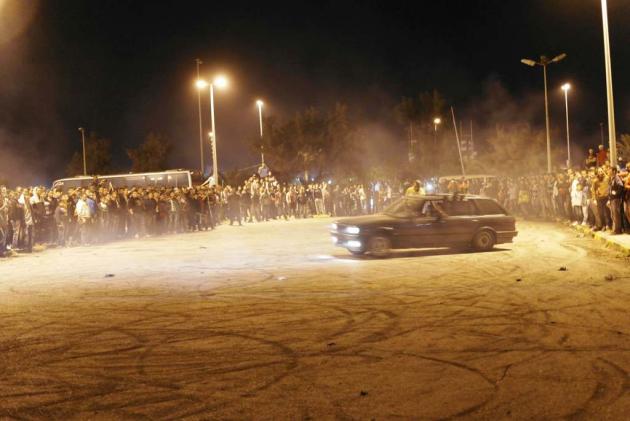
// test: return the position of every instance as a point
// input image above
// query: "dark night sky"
(125, 68)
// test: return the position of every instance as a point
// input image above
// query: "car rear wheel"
(483, 241)
(357, 252)
(379, 246)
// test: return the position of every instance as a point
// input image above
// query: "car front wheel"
(379, 246)
(483, 241)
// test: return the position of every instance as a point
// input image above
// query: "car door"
(460, 223)
(429, 226)
(405, 232)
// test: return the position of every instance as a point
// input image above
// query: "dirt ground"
(270, 321)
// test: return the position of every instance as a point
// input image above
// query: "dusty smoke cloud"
(31, 141)
(510, 132)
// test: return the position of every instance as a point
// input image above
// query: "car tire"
(357, 252)
(483, 240)
(379, 246)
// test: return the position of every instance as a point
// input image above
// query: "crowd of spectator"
(100, 213)
(596, 195)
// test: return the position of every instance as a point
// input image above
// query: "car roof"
(439, 196)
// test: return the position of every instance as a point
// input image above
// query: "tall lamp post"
(544, 62)
(82, 130)
(260, 104)
(612, 137)
(220, 82)
(200, 84)
(566, 87)
(436, 123)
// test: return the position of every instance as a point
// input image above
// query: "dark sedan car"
(427, 221)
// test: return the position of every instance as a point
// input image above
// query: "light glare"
(201, 84)
(353, 230)
(220, 82)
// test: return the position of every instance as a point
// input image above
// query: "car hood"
(377, 219)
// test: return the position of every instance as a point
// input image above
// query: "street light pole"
(215, 171)
(612, 137)
(436, 123)
(547, 121)
(220, 82)
(200, 122)
(84, 158)
(259, 103)
(566, 88)
(544, 62)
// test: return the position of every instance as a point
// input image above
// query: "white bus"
(169, 178)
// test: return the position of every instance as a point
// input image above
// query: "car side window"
(459, 207)
(428, 210)
(489, 207)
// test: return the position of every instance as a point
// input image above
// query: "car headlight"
(352, 230)
(334, 226)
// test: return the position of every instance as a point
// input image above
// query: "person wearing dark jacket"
(234, 206)
(616, 200)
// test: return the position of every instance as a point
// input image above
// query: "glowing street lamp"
(260, 104)
(220, 82)
(201, 84)
(544, 62)
(566, 87)
(436, 122)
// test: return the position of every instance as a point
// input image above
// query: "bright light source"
(354, 244)
(334, 226)
(353, 230)
(201, 84)
(259, 102)
(566, 87)
(528, 62)
(220, 82)
(334, 240)
(437, 120)
(329, 181)
(559, 57)
(429, 187)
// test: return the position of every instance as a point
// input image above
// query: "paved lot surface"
(270, 321)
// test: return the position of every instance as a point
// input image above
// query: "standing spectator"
(616, 195)
(234, 205)
(626, 199)
(84, 216)
(4, 220)
(62, 221)
(319, 200)
(601, 187)
(591, 159)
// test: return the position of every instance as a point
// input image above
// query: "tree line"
(332, 143)
(151, 155)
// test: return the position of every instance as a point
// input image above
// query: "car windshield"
(404, 207)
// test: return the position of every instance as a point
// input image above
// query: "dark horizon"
(125, 70)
